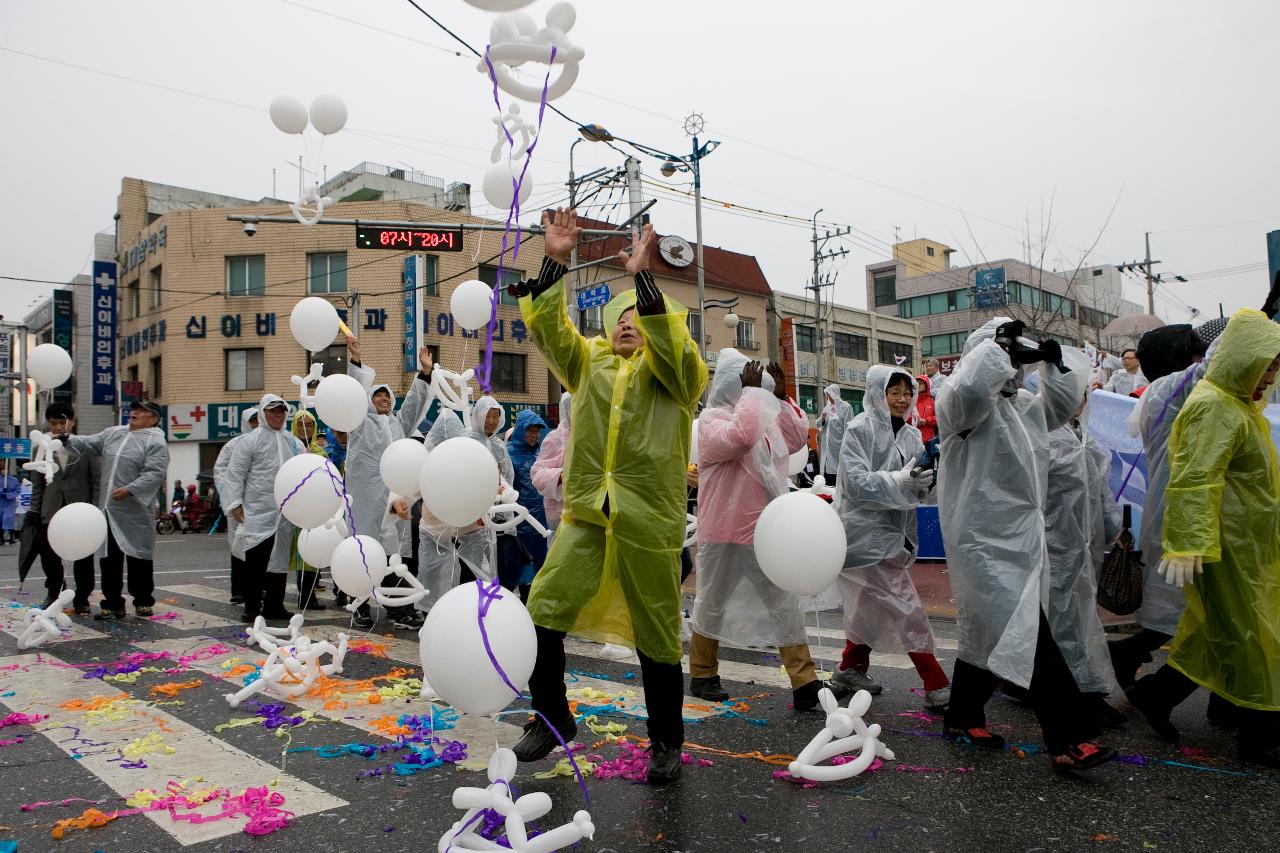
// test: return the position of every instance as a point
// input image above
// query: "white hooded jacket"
(137, 460)
(833, 422)
(250, 483)
(224, 460)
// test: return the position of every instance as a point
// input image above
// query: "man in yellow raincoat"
(1220, 536)
(613, 573)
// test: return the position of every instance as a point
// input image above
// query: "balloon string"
(486, 595)
(485, 368)
(341, 491)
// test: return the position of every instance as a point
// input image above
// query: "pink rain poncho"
(881, 606)
(745, 436)
(548, 472)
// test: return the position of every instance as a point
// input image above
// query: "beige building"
(844, 345)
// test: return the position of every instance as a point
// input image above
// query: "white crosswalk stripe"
(14, 620)
(41, 686)
(221, 596)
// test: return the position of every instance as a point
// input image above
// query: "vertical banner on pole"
(787, 346)
(412, 317)
(63, 324)
(104, 332)
(1273, 256)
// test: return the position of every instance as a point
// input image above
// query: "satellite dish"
(675, 250)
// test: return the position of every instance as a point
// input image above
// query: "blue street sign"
(15, 448)
(593, 297)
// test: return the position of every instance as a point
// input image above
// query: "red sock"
(856, 655)
(930, 670)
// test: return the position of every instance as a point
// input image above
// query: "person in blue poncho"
(523, 447)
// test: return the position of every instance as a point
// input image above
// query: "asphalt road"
(935, 796)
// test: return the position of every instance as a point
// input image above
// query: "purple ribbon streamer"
(484, 370)
(485, 596)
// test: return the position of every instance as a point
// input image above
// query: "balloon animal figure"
(291, 655)
(844, 732)
(452, 390)
(511, 125)
(496, 798)
(514, 40)
(47, 449)
(306, 401)
(310, 215)
(690, 531)
(505, 505)
(47, 624)
(393, 596)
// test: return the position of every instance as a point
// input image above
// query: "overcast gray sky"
(883, 114)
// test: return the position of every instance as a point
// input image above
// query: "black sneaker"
(1265, 757)
(538, 740)
(143, 611)
(976, 736)
(105, 615)
(664, 763)
(276, 613)
(709, 689)
(805, 697)
(1104, 716)
(363, 621)
(82, 610)
(1157, 717)
(237, 599)
(408, 619)
(248, 618)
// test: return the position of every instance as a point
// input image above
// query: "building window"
(928, 250)
(804, 339)
(695, 327)
(135, 299)
(593, 321)
(1097, 272)
(156, 388)
(808, 398)
(851, 346)
(489, 275)
(935, 303)
(853, 397)
(244, 370)
(886, 287)
(508, 372)
(428, 287)
(891, 351)
(327, 273)
(156, 290)
(746, 337)
(247, 275)
(133, 373)
(1093, 318)
(937, 345)
(334, 359)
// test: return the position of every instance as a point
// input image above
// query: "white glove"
(1180, 570)
(903, 479)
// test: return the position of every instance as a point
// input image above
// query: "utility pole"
(1152, 278)
(820, 281)
(635, 196)
(1151, 288)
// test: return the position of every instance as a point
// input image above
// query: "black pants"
(1059, 705)
(1168, 688)
(255, 574)
(663, 689)
(686, 564)
(55, 579)
(142, 581)
(237, 577)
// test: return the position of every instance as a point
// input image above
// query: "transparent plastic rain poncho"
(1223, 504)
(220, 468)
(442, 548)
(137, 460)
(548, 471)
(615, 577)
(833, 422)
(479, 412)
(991, 493)
(365, 444)
(881, 606)
(1162, 603)
(745, 437)
(251, 483)
(1081, 519)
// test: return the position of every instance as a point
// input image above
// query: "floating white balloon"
(401, 466)
(49, 365)
(76, 531)
(314, 323)
(288, 114)
(514, 39)
(342, 402)
(472, 305)
(499, 183)
(306, 491)
(328, 114)
(844, 732)
(316, 546)
(459, 481)
(454, 657)
(797, 461)
(498, 5)
(800, 543)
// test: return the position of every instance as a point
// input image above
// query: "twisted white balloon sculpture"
(47, 449)
(298, 657)
(844, 732)
(514, 39)
(305, 400)
(393, 596)
(465, 835)
(310, 215)
(511, 124)
(47, 624)
(504, 503)
(452, 390)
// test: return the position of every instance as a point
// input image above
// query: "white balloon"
(341, 402)
(316, 546)
(308, 481)
(459, 481)
(314, 323)
(472, 304)
(328, 114)
(49, 365)
(288, 114)
(800, 543)
(401, 464)
(454, 660)
(693, 444)
(499, 183)
(77, 530)
(797, 461)
(359, 564)
(499, 5)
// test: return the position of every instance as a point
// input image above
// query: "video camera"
(1024, 351)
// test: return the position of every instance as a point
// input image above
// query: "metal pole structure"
(1151, 289)
(702, 273)
(377, 223)
(635, 196)
(573, 256)
(22, 360)
(820, 400)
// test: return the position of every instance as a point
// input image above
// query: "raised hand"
(424, 360)
(751, 374)
(353, 349)
(560, 234)
(779, 380)
(641, 251)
